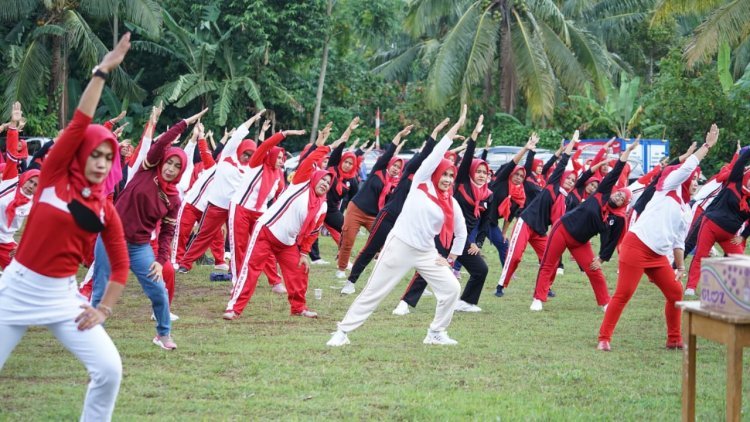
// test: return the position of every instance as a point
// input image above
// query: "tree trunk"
(321, 80)
(115, 28)
(488, 93)
(58, 90)
(508, 84)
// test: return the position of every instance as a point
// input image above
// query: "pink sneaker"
(603, 346)
(306, 313)
(165, 342)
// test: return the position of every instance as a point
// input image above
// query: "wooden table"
(731, 330)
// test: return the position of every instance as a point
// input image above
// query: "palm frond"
(532, 68)
(730, 23)
(592, 56)
(144, 13)
(183, 40)
(28, 78)
(154, 49)
(82, 40)
(668, 8)
(14, 10)
(567, 67)
(446, 73)
(482, 53)
(126, 87)
(101, 9)
(424, 15)
(49, 29)
(548, 12)
(398, 66)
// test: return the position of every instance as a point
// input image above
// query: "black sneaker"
(551, 293)
(182, 270)
(499, 291)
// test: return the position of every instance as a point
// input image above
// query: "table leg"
(734, 377)
(688, 371)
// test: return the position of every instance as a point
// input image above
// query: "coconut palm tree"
(48, 34)
(530, 44)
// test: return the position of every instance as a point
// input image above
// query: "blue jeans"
(141, 258)
(497, 239)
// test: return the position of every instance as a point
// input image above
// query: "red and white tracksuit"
(661, 228)
(277, 234)
(226, 180)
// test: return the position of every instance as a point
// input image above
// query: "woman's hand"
(89, 318)
(474, 249)
(112, 59)
(304, 261)
(155, 272)
(195, 117)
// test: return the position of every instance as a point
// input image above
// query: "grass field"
(510, 364)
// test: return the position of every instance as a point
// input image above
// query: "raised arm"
(430, 163)
(465, 166)
(157, 150)
(556, 175)
(307, 166)
(610, 180)
(335, 158)
(230, 148)
(260, 154)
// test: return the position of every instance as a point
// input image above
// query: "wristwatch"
(98, 72)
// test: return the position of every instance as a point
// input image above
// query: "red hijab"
(247, 145)
(478, 193)
(270, 175)
(20, 198)
(443, 199)
(342, 175)
(78, 187)
(170, 188)
(452, 156)
(516, 193)
(314, 202)
(389, 182)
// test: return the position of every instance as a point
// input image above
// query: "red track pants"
(708, 234)
(241, 224)
(635, 259)
(191, 214)
(559, 240)
(264, 246)
(522, 236)
(210, 225)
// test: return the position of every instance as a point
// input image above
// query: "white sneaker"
(689, 292)
(349, 266)
(536, 305)
(560, 271)
(604, 308)
(348, 288)
(462, 306)
(340, 274)
(320, 261)
(401, 309)
(713, 252)
(221, 267)
(172, 317)
(439, 338)
(338, 339)
(279, 289)
(227, 256)
(427, 293)
(306, 313)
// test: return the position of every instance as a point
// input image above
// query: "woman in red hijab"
(15, 194)
(69, 210)
(658, 234)
(429, 212)
(152, 199)
(286, 231)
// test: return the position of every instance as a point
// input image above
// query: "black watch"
(97, 72)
